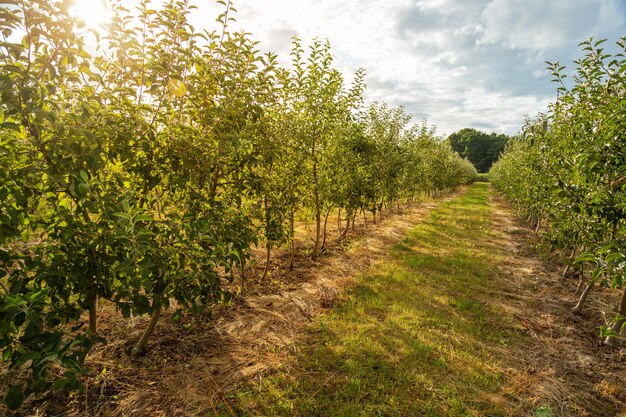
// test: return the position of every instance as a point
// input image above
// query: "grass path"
(427, 331)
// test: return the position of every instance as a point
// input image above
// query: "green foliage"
(482, 177)
(146, 170)
(568, 168)
(480, 148)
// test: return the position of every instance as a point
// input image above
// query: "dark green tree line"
(480, 148)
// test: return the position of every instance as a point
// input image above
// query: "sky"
(455, 63)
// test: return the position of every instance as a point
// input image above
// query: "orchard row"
(145, 167)
(566, 173)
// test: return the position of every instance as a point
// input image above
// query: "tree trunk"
(325, 224)
(581, 301)
(243, 277)
(140, 347)
(93, 326)
(268, 248)
(581, 279)
(365, 218)
(570, 261)
(339, 222)
(268, 243)
(318, 233)
(618, 325)
(292, 248)
(318, 214)
(93, 315)
(345, 231)
(353, 221)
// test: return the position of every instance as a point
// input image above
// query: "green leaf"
(14, 397)
(176, 87)
(83, 189)
(585, 257)
(10, 126)
(543, 411)
(6, 354)
(613, 257)
(60, 384)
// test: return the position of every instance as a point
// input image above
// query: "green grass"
(413, 338)
(482, 177)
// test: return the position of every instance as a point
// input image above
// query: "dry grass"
(562, 364)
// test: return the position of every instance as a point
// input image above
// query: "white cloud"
(459, 63)
(543, 25)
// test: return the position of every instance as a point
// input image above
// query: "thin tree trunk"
(365, 218)
(353, 221)
(581, 280)
(243, 276)
(583, 297)
(93, 327)
(345, 231)
(93, 315)
(268, 248)
(292, 248)
(318, 213)
(570, 260)
(339, 222)
(268, 243)
(325, 224)
(618, 325)
(140, 347)
(318, 232)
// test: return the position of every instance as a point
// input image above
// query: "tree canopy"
(482, 149)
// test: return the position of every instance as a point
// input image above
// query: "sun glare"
(92, 12)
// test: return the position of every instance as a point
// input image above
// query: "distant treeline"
(480, 148)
